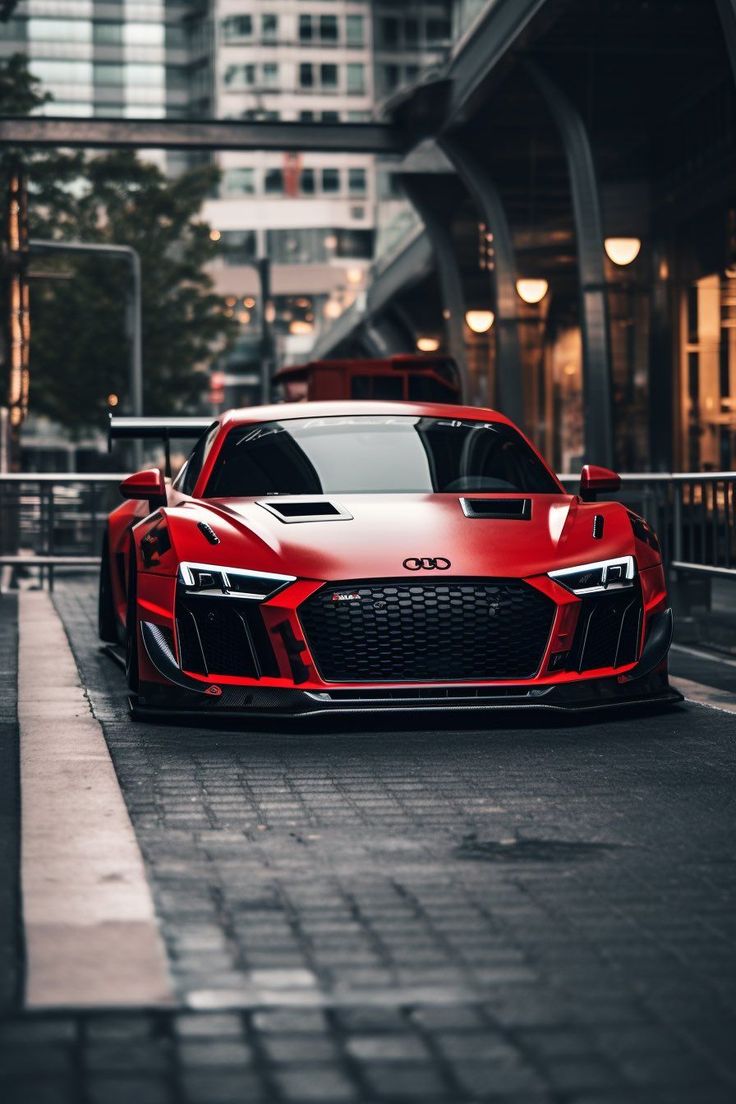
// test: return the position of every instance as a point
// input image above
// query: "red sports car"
(368, 556)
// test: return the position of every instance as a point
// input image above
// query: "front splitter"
(253, 702)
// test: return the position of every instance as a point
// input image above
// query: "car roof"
(279, 412)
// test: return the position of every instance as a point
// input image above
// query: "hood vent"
(510, 509)
(291, 510)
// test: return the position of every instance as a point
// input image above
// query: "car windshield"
(375, 455)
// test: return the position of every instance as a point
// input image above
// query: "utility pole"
(263, 266)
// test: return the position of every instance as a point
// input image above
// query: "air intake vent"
(300, 509)
(514, 509)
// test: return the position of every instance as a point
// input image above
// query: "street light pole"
(263, 266)
(134, 313)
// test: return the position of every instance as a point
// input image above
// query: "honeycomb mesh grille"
(395, 631)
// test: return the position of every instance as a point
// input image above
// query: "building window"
(438, 31)
(356, 78)
(328, 28)
(306, 75)
(359, 116)
(328, 75)
(260, 116)
(270, 75)
(269, 27)
(109, 73)
(239, 182)
(143, 34)
(240, 76)
(108, 34)
(237, 247)
(330, 116)
(57, 30)
(305, 28)
(237, 26)
(330, 181)
(357, 182)
(354, 30)
(306, 116)
(391, 77)
(273, 182)
(411, 32)
(307, 185)
(389, 32)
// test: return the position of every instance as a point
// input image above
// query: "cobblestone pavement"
(519, 911)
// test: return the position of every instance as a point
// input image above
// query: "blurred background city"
(550, 203)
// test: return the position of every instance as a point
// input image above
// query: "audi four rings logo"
(426, 563)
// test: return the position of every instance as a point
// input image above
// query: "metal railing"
(48, 521)
(692, 513)
(54, 520)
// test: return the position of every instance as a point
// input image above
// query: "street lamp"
(622, 251)
(479, 321)
(532, 290)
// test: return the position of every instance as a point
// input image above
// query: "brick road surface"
(498, 909)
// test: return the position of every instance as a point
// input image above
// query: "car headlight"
(593, 578)
(231, 582)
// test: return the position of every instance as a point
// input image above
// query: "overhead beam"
(489, 47)
(185, 134)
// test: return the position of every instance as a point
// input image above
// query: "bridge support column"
(425, 197)
(598, 405)
(510, 386)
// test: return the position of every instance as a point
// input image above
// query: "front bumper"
(293, 687)
(589, 695)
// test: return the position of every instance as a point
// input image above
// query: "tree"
(79, 344)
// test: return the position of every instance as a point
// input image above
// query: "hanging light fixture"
(428, 344)
(532, 290)
(479, 321)
(622, 251)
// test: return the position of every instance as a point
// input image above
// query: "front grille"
(395, 631)
(223, 636)
(609, 627)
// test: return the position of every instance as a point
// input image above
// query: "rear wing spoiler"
(156, 429)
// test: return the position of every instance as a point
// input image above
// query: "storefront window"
(708, 374)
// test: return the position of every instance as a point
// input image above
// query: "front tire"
(131, 633)
(106, 619)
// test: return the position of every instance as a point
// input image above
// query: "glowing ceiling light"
(332, 309)
(479, 321)
(622, 251)
(428, 344)
(532, 290)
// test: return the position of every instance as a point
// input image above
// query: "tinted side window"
(189, 474)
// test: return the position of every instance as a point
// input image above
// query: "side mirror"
(149, 484)
(595, 480)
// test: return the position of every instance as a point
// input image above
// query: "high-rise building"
(130, 58)
(312, 214)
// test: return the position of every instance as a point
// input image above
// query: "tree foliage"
(80, 349)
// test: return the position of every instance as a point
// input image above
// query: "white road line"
(722, 700)
(700, 654)
(90, 927)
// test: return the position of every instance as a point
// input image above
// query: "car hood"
(383, 531)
